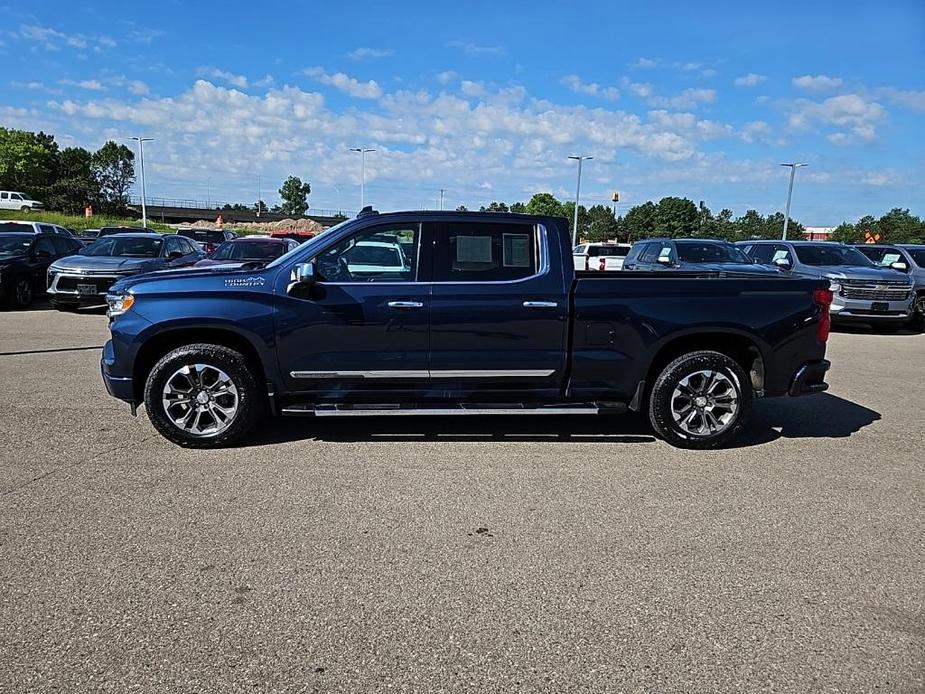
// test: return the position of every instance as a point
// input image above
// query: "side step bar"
(309, 410)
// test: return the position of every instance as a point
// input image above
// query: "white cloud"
(344, 83)
(641, 89)
(470, 88)
(239, 81)
(54, 40)
(817, 83)
(474, 49)
(755, 131)
(92, 85)
(689, 98)
(575, 83)
(645, 63)
(367, 53)
(905, 98)
(446, 76)
(138, 87)
(749, 80)
(857, 117)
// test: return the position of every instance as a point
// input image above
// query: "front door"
(362, 329)
(499, 313)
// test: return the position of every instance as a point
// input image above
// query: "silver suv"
(863, 292)
(908, 258)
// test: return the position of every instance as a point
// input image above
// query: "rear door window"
(485, 252)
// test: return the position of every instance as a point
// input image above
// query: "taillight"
(823, 299)
(603, 265)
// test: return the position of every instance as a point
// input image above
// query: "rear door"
(499, 311)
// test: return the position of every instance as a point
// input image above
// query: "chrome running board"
(387, 410)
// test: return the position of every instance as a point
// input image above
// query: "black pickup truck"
(458, 313)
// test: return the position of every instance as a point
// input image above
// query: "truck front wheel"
(203, 396)
(700, 400)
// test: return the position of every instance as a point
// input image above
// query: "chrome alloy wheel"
(704, 403)
(200, 399)
(919, 305)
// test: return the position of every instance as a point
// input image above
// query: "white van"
(14, 200)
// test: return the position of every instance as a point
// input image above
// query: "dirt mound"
(263, 227)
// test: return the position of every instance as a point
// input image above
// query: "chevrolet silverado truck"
(484, 315)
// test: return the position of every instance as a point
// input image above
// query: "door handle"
(405, 304)
(541, 304)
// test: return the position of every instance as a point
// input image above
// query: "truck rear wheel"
(700, 400)
(203, 396)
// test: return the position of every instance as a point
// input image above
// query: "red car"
(248, 250)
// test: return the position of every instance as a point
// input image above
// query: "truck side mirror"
(302, 274)
(899, 265)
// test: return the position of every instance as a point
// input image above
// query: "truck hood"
(114, 263)
(857, 272)
(730, 267)
(237, 274)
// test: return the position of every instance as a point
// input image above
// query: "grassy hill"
(78, 223)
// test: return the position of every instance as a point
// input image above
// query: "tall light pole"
(442, 191)
(362, 151)
(793, 171)
(141, 158)
(579, 159)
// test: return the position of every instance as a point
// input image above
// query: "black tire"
(733, 379)
(25, 208)
(21, 293)
(251, 398)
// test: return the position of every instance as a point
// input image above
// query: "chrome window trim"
(543, 269)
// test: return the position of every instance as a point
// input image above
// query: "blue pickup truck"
(458, 313)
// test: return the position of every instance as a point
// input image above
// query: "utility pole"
(258, 195)
(579, 158)
(793, 171)
(442, 191)
(141, 158)
(362, 151)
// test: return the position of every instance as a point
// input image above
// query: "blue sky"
(487, 99)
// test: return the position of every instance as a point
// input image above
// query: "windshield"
(619, 251)
(203, 235)
(309, 246)
(705, 252)
(833, 254)
(918, 256)
(248, 250)
(24, 196)
(125, 247)
(16, 226)
(14, 245)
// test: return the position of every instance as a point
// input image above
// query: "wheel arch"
(163, 342)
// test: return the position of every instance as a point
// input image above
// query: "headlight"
(119, 304)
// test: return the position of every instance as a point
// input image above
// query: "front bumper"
(120, 387)
(84, 290)
(810, 378)
(846, 310)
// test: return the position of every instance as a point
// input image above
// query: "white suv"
(14, 200)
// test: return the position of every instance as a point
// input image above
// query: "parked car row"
(76, 273)
(878, 284)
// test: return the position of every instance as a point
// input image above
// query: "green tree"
(28, 161)
(545, 204)
(676, 217)
(518, 208)
(584, 221)
(898, 226)
(640, 221)
(260, 206)
(774, 227)
(720, 226)
(462, 208)
(113, 166)
(495, 207)
(294, 195)
(750, 226)
(602, 226)
(76, 186)
(845, 233)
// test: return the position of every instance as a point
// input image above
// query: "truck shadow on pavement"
(817, 416)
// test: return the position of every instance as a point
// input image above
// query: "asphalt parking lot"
(501, 554)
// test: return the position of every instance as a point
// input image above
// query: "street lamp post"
(793, 170)
(141, 159)
(362, 151)
(579, 159)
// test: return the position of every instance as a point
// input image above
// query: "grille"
(886, 290)
(69, 284)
